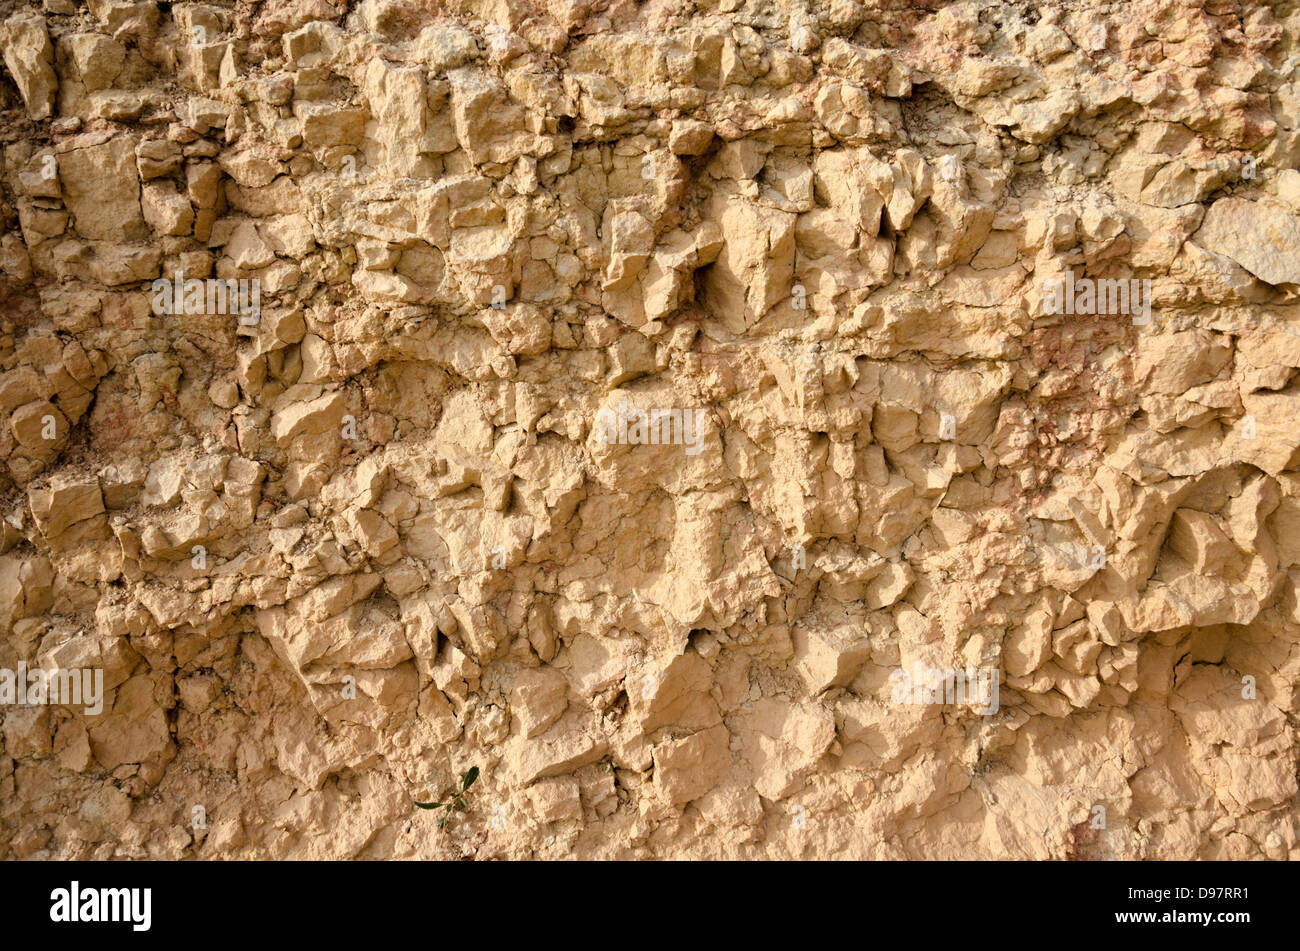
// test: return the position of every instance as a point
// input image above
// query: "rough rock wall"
(980, 321)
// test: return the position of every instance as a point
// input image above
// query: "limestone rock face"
(750, 430)
(1260, 236)
(29, 58)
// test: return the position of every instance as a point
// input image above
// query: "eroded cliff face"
(649, 405)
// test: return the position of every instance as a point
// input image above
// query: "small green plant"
(457, 802)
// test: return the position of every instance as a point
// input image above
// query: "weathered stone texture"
(621, 398)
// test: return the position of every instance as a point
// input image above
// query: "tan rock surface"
(679, 413)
